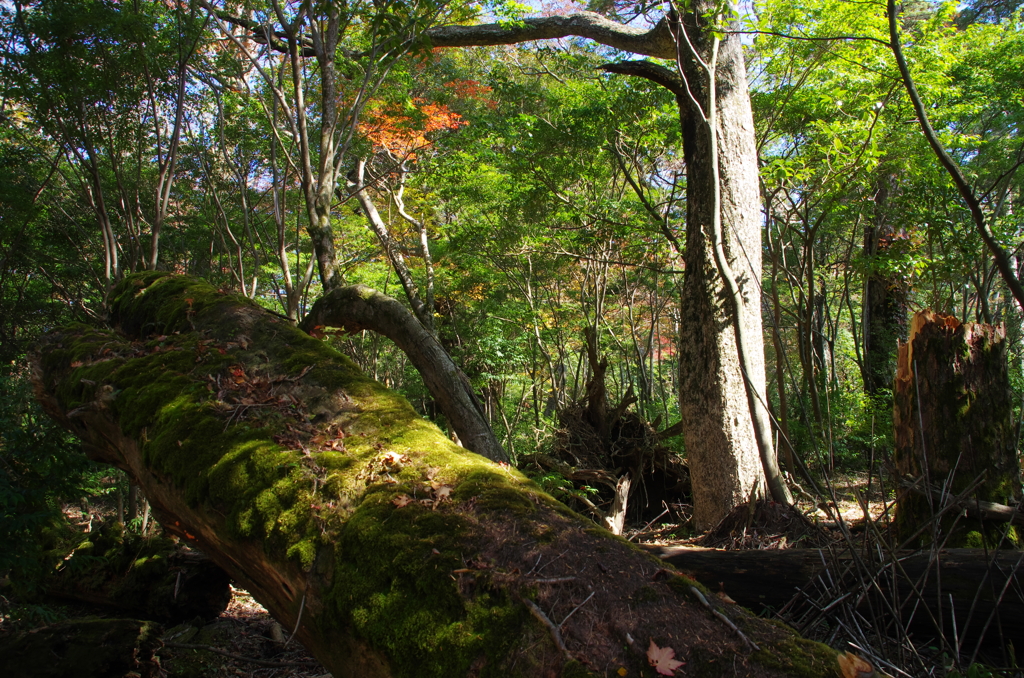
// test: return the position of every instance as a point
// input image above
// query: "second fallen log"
(765, 580)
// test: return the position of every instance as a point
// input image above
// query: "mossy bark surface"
(151, 577)
(391, 550)
(113, 648)
(953, 425)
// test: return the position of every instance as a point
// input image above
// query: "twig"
(302, 606)
(551, 580)
(551, 561)
(555, 633)
(238, 657)
(576, 608)
(641, 530)
(995, 608)
(300, 375)
(704, 601)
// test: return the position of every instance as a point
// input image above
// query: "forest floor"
(245, 630)
(854, 492)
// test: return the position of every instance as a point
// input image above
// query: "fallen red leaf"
(663, 659)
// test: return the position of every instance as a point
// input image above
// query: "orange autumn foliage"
(403, 133)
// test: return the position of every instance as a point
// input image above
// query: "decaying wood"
(616, 518)
(605, 445)
(113, 648)
(768, 579)
(388, 549)
(147, 577)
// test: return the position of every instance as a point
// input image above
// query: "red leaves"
(472, 89)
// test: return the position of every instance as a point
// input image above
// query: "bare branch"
(262, 33)
(656, 73)
(1002, 260)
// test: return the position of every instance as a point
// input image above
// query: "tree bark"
(359, 307)
(390, 551)
(720, 438)
(953, 425)
(654, 42)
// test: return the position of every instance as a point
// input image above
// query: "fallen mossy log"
(389, 550)
(974, 578)
(112, 648)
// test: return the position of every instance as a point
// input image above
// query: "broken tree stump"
(953, 425)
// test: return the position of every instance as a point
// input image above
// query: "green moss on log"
(388, 585)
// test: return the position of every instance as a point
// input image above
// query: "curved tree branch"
(655, 42)
(656, 73)
(262, 34)
(358, 307)
(947, 162)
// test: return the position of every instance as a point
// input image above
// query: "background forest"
(513, 196)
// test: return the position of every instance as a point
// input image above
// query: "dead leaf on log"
(855, 666)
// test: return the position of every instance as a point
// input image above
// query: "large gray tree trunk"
(720, 442)
(390, 550)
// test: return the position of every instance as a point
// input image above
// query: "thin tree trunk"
(885, 308)
(424, 312)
